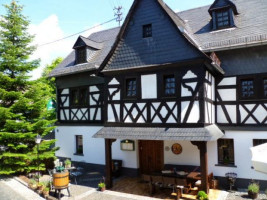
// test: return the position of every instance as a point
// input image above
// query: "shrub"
(254, 188)
(202, 195)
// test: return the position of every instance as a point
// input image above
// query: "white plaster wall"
(208, 113)
(194, 114)
(227, 94)
(149, 86)
(111, 117)
(243, 140)
(114, 81)
(129, 159)
(228, 81)
(185, 92)
(62, 117)
(93, 89)
(66, 104)
(231, 110)
(65, 91)
(189, 155)
(213, 88)
(94, 148)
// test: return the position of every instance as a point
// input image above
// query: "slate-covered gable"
(167, 44)
(250, 30)
(83, 41)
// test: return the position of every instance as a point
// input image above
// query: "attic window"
(222, 19)
(80, 55)
(147, 30)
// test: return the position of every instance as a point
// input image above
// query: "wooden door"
(150, 156)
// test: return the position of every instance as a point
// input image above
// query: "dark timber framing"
(197, 94)
(202, 146)
(108, 153)
(258, 100)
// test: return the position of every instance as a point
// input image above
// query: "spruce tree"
(23, 113)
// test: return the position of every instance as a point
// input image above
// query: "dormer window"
(222, 19)
(85, 49)
(223, 14)
(80, 55)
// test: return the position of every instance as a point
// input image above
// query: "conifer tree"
(23, 112)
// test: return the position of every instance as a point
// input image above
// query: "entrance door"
(150, 156)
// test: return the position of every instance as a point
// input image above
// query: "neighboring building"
(197, 78)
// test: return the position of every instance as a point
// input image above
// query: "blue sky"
(55, 19)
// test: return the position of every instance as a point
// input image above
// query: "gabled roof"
(83, 41)
(250, 30)
(175, 19)
(67, 66)
(217, 4)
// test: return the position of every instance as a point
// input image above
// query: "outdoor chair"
(183, 184)
(210, 177)
(76, 174)
(169, 182)
(146, 178)
(50, 172)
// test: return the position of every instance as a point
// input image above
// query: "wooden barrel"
(61, 179)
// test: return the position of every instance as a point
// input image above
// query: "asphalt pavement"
(7, 193)
(11, 189)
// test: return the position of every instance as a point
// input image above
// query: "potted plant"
(253, 190)
(32, 184)
(67, 163)
(201, 195)
(101, 186)
(41, 186)
(46, 191)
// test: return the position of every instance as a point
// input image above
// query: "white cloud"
(47, 31)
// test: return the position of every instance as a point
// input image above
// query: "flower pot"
(33, 186)
(68, 166)
(45, 193)
(103, 189)
(252, 195)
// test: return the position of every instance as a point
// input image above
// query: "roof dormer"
(223, 14)
(85, 49)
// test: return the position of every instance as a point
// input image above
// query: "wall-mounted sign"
(177, 148)
(127, 145)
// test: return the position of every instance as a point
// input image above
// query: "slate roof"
(67, 66)
(88, 42)
(251, 26)
(208, 133)
(250, 30)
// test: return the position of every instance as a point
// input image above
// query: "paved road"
(6, 193)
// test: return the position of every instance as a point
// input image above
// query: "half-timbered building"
(166, 88)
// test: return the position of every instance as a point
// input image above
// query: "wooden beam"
(202, 146)
(108, 151)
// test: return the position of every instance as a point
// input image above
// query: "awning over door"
(208, 133)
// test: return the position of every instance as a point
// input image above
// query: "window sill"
(225, 165)
(78, 154)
